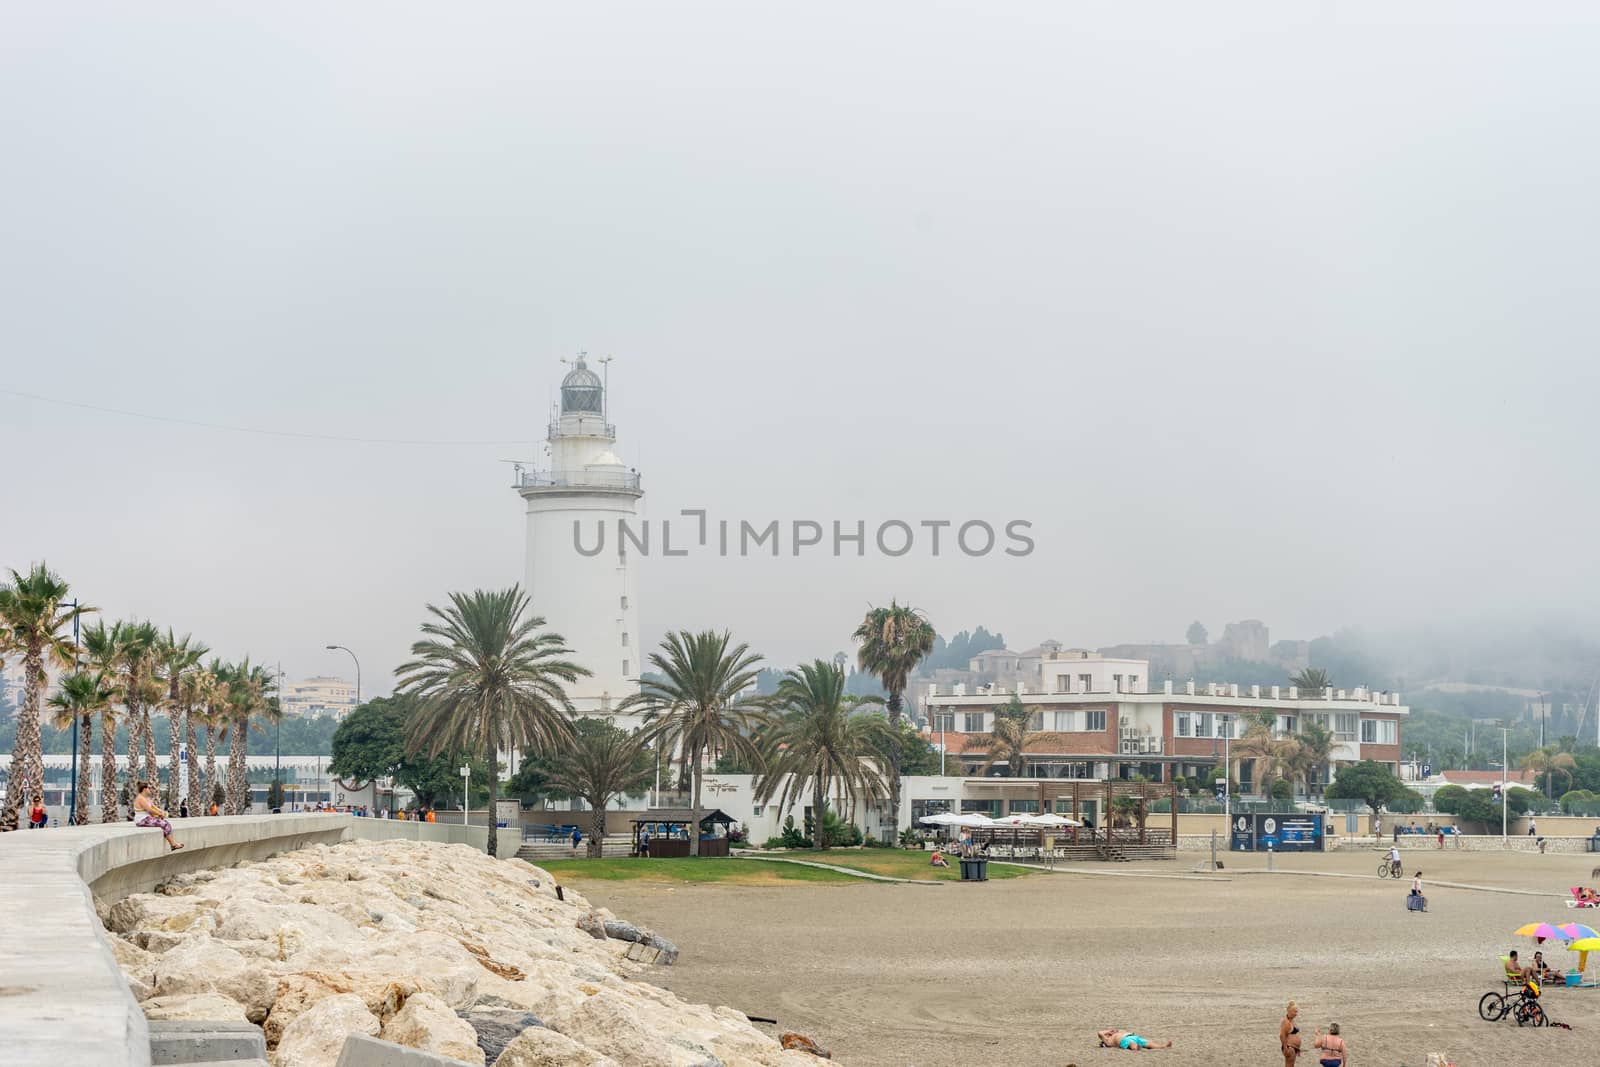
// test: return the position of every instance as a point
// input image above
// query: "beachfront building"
(1102, 719)
(580, 571)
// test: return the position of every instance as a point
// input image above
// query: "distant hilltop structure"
(323, 697)
(589, 598)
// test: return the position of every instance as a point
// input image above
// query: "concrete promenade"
(63, 1000)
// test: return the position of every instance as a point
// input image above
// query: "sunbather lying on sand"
(1128, 1039)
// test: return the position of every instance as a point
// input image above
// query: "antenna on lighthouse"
(605, 388)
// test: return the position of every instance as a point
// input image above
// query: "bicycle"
(1391, 869)
(1523, 1006)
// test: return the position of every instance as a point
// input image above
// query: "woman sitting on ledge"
(150, 813)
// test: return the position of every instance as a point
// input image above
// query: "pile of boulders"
(431, 946)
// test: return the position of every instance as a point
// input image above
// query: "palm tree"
(213, 695)
(817, 740)
(192, 697)
(81, 696)
(1009, 739)
(103, 645)
(1269, 752)
(136, 659)
(1314, 751)
(1549, 761)
(603, 763)
(893, 641)
(246, 702)
(33, 623)
(1311, 680)
(488, 677)
(176, 657)
(702, 702)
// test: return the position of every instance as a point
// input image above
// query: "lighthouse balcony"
(582, 426)
(584, 479)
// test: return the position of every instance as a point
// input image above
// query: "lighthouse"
(586, 596)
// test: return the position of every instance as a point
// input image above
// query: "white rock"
(538, 1047)
(203, 1006)
(317, 1035)
(428, 1023)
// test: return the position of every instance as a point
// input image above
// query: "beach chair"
(1576, 902)
(1512, 978)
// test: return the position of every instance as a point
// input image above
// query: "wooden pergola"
(665, 825)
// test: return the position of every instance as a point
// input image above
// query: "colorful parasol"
(1540, 932)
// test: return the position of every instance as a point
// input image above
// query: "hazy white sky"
(1272, 310)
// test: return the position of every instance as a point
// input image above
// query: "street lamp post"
(466, 794)
(72, 804)
(1505, 797)
(358, 669)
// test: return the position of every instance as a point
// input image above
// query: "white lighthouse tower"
(584, 595)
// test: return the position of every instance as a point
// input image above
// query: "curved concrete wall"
(63, 999)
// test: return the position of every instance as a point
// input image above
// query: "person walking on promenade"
(150, 814)
(38, 817)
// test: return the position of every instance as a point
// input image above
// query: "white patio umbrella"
(1050, 818)
(972, 818)
(1019, 819)
(943, 818)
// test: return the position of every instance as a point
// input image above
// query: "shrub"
(1282, 790)
(1448, 798)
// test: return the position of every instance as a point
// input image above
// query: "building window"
(624, 668)
(1063, 683)
(1036, 721)
(624, 603)
(944, 721)
(972, 722)
(1085, 683)
(1094, 720)
(757, 810)
(624, 639)
(1065, 722)
(1181, 724)
(1378, 732)
(1286, 725)
(1205, 725)
(1344, 726)
(1116, 683)
(1369, 731)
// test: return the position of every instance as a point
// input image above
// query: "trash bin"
(1594, 843)
(974, 870)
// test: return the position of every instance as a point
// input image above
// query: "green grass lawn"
(896, 863)
(736, 871)
(683, 870)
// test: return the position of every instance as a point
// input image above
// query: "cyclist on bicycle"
(1394, 859)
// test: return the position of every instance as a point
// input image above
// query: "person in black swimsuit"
(1289, 1035)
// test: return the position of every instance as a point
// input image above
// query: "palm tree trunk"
(152, 769)
(194, 758)
(694, 807)
(108, 767)
(820, 804)
(175, 739)
(597, 832)
(494, 773)
(208, 788)
(27, 756)
(80, 811)
(134, 741)
(894, 704)
(238, 784)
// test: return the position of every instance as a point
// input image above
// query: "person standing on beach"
(1530, 826)
(1289, 1035)
(1332, 1046)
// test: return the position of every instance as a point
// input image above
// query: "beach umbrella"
(1583, 946)
(1019, 819)
(944, 818)
(1540, 932)
(1052, 819)
(1574, 931)
(971, 818)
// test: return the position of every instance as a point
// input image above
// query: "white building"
(580, 574)
(319, 698)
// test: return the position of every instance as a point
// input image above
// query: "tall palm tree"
(488, 678)
(81, 696)
(817, 740)
(176, 657)
(1314, 751)
(603, 763)
(1268, 751)
(103, 646)
(137, 662)
(192, 697)
(34, 624)
(1009, 739)
(1548, 762)
(702, 702)
(214, 704)
(1311, 679)
(893, 641)
(249, 704)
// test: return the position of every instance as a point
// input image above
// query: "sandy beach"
(1024, 971)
